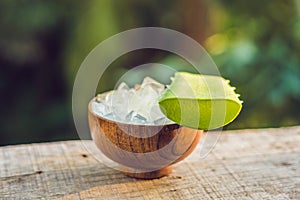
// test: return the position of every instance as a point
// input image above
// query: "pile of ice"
(138, 105)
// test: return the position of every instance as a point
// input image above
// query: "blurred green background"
(255, 44)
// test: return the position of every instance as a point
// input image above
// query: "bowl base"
(147, 175)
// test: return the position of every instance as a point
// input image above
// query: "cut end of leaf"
(200, 101)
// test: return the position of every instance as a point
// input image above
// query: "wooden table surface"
(246, 164)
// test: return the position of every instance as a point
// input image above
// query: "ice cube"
(102, 97)
(156, 113)
(99, 108)
(134, 117)
(158, 87)
(138, 119)
(131, 93)
(149, 95)
(119, 103)
(130, 116)
(105, 99)
(123, 86)
(136, 105)
(160, 121)
(110, 116)
(136, 100)
(143, 101)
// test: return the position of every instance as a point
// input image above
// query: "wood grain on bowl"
(142, 151)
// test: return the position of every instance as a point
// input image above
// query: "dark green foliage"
(255, 44)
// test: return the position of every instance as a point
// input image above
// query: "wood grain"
(247, 164)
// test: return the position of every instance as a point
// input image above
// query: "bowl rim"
(90, 110)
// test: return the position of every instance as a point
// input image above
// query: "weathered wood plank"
(248, 164)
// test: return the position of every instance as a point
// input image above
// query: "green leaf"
(200, 101)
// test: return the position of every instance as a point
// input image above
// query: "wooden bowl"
(142, 151)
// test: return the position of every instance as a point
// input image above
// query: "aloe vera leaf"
(200, 101)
